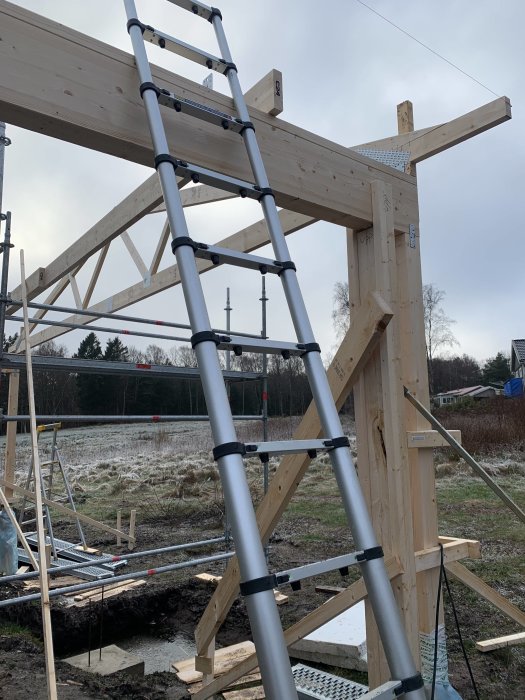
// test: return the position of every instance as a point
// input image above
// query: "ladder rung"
(165, 41)
(287, 446)
(240, 344)
(341, 563)
(196, 8)
(200, 111)
(215, 179)
(220, 256)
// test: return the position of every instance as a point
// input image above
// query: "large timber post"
(380, 420)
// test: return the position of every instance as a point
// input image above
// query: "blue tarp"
(514, 387)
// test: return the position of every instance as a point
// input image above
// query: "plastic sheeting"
(8, 546)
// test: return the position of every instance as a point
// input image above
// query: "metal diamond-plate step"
(69, 551)
(311, 683)
(88, 573)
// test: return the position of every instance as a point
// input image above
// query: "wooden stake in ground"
(44, 581)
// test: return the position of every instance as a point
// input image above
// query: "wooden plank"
(70, 86)
(208, 578)
(452, 551)
(10, 440)
(425, 143)
(367, 327)
(199, 194)
(245, 694)
(249, 678)
(69, 513)
(246, 240)
(485, 591)
(161, 247)
(135, 255)
(430, 438)
(318, 617)
(224, 659)
(41, 536)
(501, 642)
(95, 275)
(74, 288)
(405, 117)
(267, 94)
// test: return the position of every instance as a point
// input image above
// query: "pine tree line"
(67, 393)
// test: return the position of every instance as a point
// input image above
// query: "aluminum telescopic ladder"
(256, 583)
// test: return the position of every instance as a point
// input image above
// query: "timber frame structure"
(88, 95)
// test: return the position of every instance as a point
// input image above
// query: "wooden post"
(43, 576)
(381, 430)
(415, 377)
(405, 124)
(132, 520)
(119, 527)
(10, 441)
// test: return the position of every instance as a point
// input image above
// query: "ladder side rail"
(380, 592)
(262, 610)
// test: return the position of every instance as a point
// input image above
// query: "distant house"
(471, 392)
(517, 358)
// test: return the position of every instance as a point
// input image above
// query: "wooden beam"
(135, 255)
(333, 607)
(267, 94)
(39, 516)
(405, 117)
(501, 642)
(74, 288)
(200, 194)
(161, 247)
(95, 275)
(70, 86)
(367, 327)
(245, 240)
(424, 143)
(452, 551)
(485, 591)
(430, 438)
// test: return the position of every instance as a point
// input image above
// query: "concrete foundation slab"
(341, 642)
(111, 660)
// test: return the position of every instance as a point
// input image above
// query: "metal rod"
(115, 317)
(466, 456)
(100, 329)
(89, 585)
(4, 141)
(70, 498)
(6, 246)
(59, 570)
(119, 419)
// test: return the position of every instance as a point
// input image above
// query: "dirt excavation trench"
(154, 621)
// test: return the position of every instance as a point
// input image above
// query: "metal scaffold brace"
(256, 582)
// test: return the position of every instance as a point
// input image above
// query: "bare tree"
(341, 308)
(438, 332)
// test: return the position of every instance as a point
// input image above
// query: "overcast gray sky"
(345, 70)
